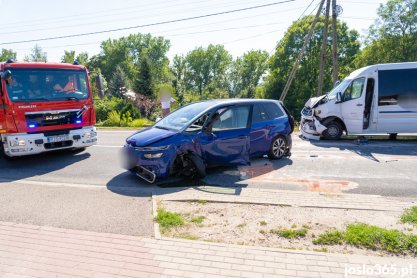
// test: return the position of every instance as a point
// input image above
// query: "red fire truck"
(45, 107)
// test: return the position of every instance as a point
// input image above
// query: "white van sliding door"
(397, 101)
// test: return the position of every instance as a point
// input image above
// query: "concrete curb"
(157, 232)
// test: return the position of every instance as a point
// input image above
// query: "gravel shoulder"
(249, 224)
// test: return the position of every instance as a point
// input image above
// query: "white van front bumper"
(310, 126)
(21, 144)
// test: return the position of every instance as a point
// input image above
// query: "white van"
(378, 99)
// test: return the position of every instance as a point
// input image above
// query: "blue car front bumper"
(149, 169)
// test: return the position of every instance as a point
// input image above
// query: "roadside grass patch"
(189, 237)
(168, 219)
(323, 249)
(198, 219)
(290, 233)
(201, 202)
(410, 216)
(376, 238)
(371, 237)
(330, 238)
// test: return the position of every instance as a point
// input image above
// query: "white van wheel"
(334, 131)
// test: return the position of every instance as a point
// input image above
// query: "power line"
(251, 37)
(152, 24)
(311, 3)
(89, 15)
(157, 13)
(182, 28)
(171, 35)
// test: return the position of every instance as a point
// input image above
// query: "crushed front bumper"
(148, 169)
(22, 144)
(310, 125)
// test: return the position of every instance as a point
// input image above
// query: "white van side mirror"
(339, 97)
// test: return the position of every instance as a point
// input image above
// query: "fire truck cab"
(45, 107)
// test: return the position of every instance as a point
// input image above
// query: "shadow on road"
(219, 180)
(36, 165)
(237, 177)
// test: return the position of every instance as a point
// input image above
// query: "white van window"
(338, 89)
(355, 89)
(397, 87)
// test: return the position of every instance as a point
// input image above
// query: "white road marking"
(116, 131)
(107, 146)
(53, 184)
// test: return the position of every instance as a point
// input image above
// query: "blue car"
(209, 133)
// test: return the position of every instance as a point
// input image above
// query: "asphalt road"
(90, 191)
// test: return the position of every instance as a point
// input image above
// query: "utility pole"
(323, 54)
(335, 12)
(301, 54)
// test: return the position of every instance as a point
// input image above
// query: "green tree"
(6, 54)
(393, 36)
(207, 68)
(82, 58)
(37, 55)
(127, 52)
(305, 83)
(118, 85)
(69, 57)
(143, 83)
(178, 71)
(247, 72)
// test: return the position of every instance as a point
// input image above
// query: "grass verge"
(371, 237)
(290, 233)
(410, 216)
(198, 219)
(167, 219)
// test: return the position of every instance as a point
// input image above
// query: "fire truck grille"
(51, 118)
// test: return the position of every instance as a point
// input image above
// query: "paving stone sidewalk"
(283, 197)
(35, 251)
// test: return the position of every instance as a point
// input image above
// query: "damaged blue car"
(223, 132)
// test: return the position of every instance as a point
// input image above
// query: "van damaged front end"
(311, 126)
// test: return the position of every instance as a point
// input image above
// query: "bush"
(290, 233)
(376, 238)
(113, 119)
(371, 237)
(106, 105)
(330, 238)
(168, 219)
(140, 123)
(410, 216)
(198, 219)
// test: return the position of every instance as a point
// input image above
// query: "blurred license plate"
(58, 138)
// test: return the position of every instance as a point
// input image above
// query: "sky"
(239, 32)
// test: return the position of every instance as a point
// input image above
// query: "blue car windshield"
(183, 117)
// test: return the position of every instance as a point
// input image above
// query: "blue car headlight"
(152, 155)
(159, 148)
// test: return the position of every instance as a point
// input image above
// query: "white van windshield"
(339, 88)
